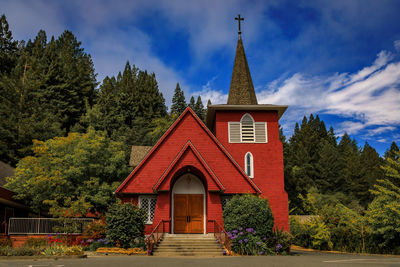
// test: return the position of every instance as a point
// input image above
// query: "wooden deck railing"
(221, 235)
(155, 236)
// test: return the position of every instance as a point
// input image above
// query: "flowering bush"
(93, 245)
(251, 212)
(247, 242)
(61, 250)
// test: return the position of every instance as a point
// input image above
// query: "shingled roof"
(5, 171)
(137, 154)
(241, 91)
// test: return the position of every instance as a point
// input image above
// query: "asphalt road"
(297, 260)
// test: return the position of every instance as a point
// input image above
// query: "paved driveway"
(297, 260)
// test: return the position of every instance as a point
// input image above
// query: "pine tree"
(8, 47)
(192, 103)
(178, 101)
(370, 171)
(199, 109)
(392, 152)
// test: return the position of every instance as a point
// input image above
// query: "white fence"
(40, 226)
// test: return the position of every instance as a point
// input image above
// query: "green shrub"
(95, 229)
(36, 243)
(314, 233)
(249, 211)
(248, 220)
(125, 222)
(320, 235)
(22, 251)
(301, 234)
(5, 242)
(280, 241)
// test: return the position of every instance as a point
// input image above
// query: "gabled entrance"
(188, 198)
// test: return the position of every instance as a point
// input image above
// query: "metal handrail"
(155, 236)
(221, 235)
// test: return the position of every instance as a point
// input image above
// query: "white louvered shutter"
(234, 132)
(261, 132)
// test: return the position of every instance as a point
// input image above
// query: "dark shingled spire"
(241, 91)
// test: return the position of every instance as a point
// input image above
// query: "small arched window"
(248, 163)
(247, 128)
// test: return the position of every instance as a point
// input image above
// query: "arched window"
(248, 163)
(247, 128)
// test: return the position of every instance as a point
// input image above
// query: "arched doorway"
(188, 205)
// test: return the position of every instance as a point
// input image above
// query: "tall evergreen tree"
(8, 47)
(199, 109)
(192, 103)
(127, 106)
(392, 152)
(178, 101)
(370, 171)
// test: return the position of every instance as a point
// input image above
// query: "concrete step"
(189, 236)
(192, 245)
(188, 242)
(174, 254)
(188, 245)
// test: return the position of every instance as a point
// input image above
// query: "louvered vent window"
(247, 131)
(247, 128)
(149, 205)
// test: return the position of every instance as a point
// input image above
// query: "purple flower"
(254, 232)
(259, 243)
(264, 238)
(278, 247)
(240, 228)
(235, 231)
(249, 230)
(224, 252)
(241, 233)
(240, 241)
(246, 240)
(261, 252)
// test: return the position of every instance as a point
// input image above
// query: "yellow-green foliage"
(61, 250)
(75, 173)
(383, 214)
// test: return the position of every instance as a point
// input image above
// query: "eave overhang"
(225, 107)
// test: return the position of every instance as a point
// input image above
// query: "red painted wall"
(268, 166)
(267, 158)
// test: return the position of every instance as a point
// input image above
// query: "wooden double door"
(188, 213)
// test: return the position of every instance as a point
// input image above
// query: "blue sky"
(338, 59)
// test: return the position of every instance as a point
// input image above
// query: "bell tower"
(250, 133)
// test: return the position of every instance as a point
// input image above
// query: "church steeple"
(241, 91)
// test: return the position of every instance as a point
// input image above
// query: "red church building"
(188, 176)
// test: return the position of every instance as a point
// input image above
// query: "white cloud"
(369, 99)
(208, 93)
(350, 127)
(397, 45)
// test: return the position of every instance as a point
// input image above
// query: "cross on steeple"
(239, 19)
